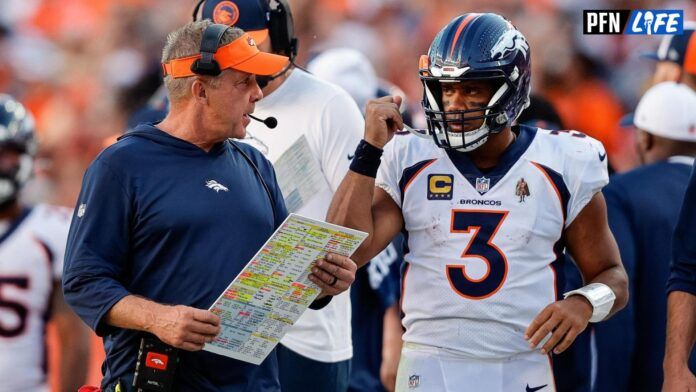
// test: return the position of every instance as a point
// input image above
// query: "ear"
(645, 141)
(199, 91)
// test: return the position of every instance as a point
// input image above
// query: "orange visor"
(240, 54)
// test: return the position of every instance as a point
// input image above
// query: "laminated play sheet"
(273, 290)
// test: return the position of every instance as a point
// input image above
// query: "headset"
(280, 26)
(210, 42)
(281, 30)
(258, 174)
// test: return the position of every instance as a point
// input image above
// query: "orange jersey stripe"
(414, 177)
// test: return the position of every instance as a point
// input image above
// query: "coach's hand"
(185, 327)
(333, 274)
(564, 319)
(382, 119)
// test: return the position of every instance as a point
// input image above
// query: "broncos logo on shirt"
(216, 186)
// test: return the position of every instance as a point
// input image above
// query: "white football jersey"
(31, 259)
(484, 248)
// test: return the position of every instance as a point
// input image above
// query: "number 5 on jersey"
(482, 225)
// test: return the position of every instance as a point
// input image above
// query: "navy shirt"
(683, 269)
(161, 218)
(643, 207)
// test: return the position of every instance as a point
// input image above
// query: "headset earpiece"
(281, 29)
(210, 42)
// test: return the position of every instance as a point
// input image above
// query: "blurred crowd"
(83, 66)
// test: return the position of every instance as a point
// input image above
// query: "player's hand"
(185, 327)
(680, 380)
(564, 319)
(382, 119)
(333, 274)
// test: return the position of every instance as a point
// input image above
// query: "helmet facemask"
(440, 121)
(13, 177)
(16, 138)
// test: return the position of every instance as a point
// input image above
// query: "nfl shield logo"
(413, 381)
(482, 184)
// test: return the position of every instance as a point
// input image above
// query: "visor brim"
(627, 121)
(258, 35)
(263, 64)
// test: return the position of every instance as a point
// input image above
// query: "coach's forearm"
(681, 329)
(134, 312)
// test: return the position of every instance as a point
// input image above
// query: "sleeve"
(683, 268)
(615, 338)
(388, 173)
(342, 127)
(589, 174)
(97, 247)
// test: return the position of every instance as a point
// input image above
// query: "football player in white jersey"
(482, 311)
(32, 243)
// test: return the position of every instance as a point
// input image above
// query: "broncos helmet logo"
(216, 186)
(510, 41)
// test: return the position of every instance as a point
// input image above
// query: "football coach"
(172, 212)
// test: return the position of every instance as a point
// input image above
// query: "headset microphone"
(270, 122)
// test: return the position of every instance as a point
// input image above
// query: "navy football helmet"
(16, 134)
(475, 47)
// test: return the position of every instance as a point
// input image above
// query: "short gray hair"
(184, 42)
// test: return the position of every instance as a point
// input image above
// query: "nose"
(257, 94)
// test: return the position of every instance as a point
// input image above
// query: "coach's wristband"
(367, 159)
(600, 296)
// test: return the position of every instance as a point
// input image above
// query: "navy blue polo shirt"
(161, 218)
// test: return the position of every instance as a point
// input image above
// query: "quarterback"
(488, 209)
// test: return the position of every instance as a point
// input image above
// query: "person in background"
(32, 245)
(630, 346)
(676, 57)
(376, 319)
(319, 125)
(681, 292)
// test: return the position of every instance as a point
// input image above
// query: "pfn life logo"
(643, 22)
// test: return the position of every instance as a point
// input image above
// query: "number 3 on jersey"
(483, 225)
